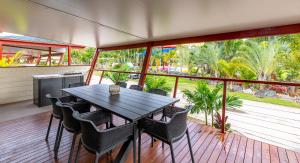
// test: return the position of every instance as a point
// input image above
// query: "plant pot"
(114, 89)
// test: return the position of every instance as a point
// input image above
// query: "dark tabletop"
(130, 104)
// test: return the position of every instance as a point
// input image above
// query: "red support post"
(38, 58)
(49, 56)
(1, 51)
(61, 58)
(69, 56)
(146, 64)
(224, 106)
(175, 87)
(93, 65)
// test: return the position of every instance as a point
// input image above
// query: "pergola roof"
(102, 23)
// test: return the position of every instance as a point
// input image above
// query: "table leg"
(135, 129)
(123, 153)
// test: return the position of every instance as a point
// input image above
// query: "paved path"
(273, 124)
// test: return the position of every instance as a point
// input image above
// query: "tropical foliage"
(118, 77)
(154, 82)
(12, 61)
(209, 100)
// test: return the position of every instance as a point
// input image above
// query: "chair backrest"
(101, 141)
(70, 123)
(76, 84)
(56, 110)
(89, 133)
(158, 91)
(122, 84)
(136, 87)
(178, 124)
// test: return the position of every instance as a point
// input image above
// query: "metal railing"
(224, 80)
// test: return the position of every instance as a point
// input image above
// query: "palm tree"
(259, 57)
(208, 54)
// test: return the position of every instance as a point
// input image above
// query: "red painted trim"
(29, 43)
(146, 64)
(69, 56)
(269, 31)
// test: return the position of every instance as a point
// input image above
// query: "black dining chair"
(122, 84)
(168, 132)
(73, 126)
(77, 84)
(136, 87)
(162, 93)
(158, 91)
(56, 112)
(100, 141)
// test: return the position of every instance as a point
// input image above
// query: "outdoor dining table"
(129, 104)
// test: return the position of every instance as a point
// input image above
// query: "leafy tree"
(259, 57)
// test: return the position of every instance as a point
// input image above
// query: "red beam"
(93, 65)
(175, 87)
(69, 56)
(39, 58)
(1, 51)
(146, 64)
(29, 43)
(269, 31)
(49, 56)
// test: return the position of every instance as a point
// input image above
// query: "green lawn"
(190, 84)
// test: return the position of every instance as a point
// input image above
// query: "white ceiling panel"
(117, 22)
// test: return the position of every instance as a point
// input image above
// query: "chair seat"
(97, 117)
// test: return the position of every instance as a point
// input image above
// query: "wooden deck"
(22, 140)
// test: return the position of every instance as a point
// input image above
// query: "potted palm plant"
(208, 100)
(117, 78)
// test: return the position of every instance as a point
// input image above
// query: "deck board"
(22, 140)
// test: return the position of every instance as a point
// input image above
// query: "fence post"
(175, 87)
(224, 106)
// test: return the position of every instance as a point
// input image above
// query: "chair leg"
(152, 141)
(57, 133)
(190, 146)
(172, 152)
(72, 147)
(97, 157)
(78, 152)
(58, 141)
(139, 146)
(49, 126)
